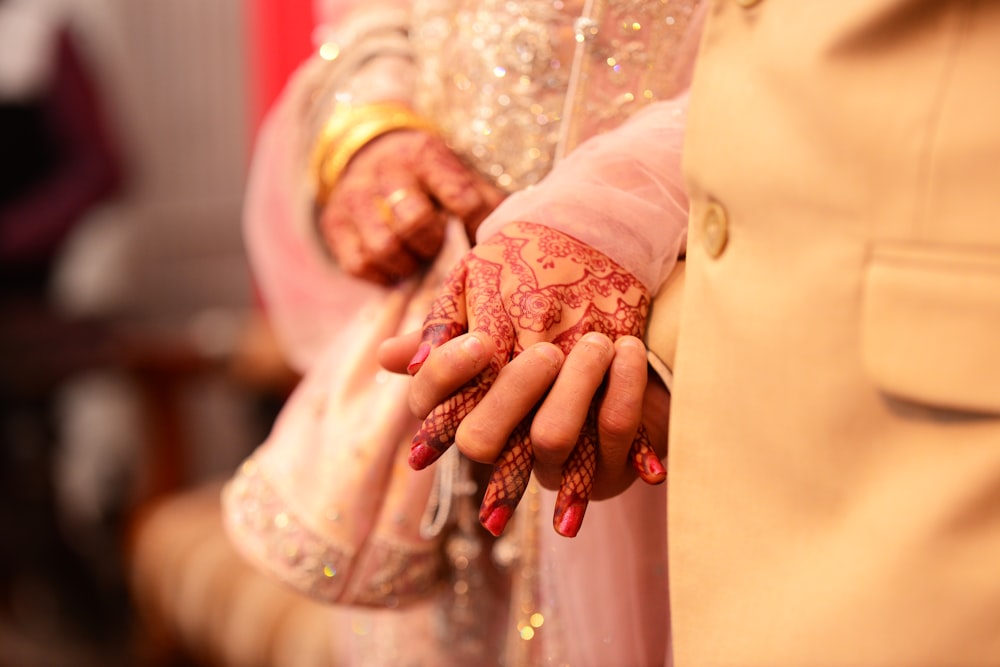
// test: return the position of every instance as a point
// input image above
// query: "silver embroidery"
(506, 70)
(385, 573)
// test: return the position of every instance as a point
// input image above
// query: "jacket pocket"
(931, 325)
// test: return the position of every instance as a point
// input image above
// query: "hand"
(529, 284)
(542, 373)
(387, 215)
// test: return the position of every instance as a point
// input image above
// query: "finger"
(381, 247)
(447, 369)
(518, 388)
(560, 419)
(344, 242)
(620, 413)
(447, 317)
(437, 432)
(376, 246)
(418, 224)
(645, 460)
(509, 480)
(395, 353)
(656, 413)
(448, 180)
(577, 485)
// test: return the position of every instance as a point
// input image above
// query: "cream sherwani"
(835, 446)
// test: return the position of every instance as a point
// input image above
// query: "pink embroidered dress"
(534, 95)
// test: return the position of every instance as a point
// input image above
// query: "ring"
(399, 195)
(385, 213)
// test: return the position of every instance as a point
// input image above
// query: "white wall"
(174, 73)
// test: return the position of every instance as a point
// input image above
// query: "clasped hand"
(387, 215)
(549, 378)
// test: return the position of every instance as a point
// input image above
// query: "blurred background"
(136, 367)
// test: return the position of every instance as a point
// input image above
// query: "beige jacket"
(835, 447)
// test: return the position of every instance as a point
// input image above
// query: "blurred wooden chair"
(198, 602)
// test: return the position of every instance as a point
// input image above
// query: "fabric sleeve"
(307, 298)
(621, 192)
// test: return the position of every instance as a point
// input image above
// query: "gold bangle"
(347, 130)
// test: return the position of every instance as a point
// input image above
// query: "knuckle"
(419, 406)
(385, 247)
(615, 426)
(476, 442)
(354, 265)
(551, 439)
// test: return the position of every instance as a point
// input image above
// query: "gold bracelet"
(347, 130)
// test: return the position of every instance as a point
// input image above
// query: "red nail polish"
(496, 520)
(422, 456)
(655, 472)
(419, 358)
(568, 525)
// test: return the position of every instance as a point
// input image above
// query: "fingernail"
(568, 525)
(632, 342)
(647, 464)
(656, 466)
(422, 455)
(655, 472)
(496, 520)
(419, 358)
(601, 343)
(551, 354)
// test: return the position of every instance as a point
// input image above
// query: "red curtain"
(279, 39)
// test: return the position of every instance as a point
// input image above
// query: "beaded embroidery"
(273, 537)
(513, 70)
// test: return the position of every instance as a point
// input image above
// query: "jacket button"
(714, 229)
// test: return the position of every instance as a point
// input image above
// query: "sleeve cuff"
(663, 326)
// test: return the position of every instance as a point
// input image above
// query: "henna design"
(577, 484)
(437, 432)
(645, 460)
(509, 480)
(446, 319)
(382, 244)
(526, 284)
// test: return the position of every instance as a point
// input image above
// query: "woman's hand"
(386, 217)
(530, 284)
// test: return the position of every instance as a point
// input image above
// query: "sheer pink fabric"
(621, 192)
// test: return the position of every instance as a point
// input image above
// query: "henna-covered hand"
(387, 215)
(527, 284)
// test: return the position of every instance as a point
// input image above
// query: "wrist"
(347, 130)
